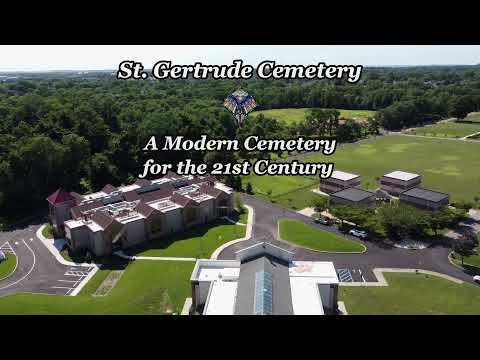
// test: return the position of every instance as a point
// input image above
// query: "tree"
(249, 189)
(320, 204)
(464, 246)
(443, 218)
(400, 221)
(317, 121)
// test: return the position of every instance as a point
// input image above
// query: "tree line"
(82, 134)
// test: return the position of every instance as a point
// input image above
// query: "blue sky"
(98, 57)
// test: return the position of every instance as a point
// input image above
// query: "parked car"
(2, 256)
(476, 278)
(323, 221)
(358, 233)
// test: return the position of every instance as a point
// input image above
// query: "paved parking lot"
(37, 270)
(71, 279)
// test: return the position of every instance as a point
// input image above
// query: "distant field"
(473, 117)
(295, 115)
(448, 166)
(449, 129)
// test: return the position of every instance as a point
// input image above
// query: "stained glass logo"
(240, 103)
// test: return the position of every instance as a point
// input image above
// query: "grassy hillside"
(295, 115)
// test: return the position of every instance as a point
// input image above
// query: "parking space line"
(345, 275)
(61, 287)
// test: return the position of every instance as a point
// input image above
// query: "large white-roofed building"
(264, 280)
(397, 182)
(339, 180)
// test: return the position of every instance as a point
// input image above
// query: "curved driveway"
(37, 269)
(265, 225)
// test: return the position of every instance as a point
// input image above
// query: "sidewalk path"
(248, 233)
(50, 245)
(161, 258)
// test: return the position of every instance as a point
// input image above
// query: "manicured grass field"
(445, 165)
(197, 242)
(7, 266)
(298, 200)
(310, 237)
(412, 294)
(449, 129)
(272, 186)
(146, 287)
(290, 115)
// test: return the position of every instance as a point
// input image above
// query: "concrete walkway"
(471, 135)
(50, 245)
(248, 233)
(155, 258)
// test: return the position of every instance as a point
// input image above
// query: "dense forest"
(82, 134)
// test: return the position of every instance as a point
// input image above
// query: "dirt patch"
(109, 283)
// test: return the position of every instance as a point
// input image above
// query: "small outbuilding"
(354, 196)
(424, 198)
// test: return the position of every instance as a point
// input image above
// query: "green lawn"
(7, 266)
(290, 115)
(297, 200)
(412, 294)
(47, 230)
(146, 287)
(445, 165)
(272, 186)
(310, 237)
(197, 242)
(469, 260)
(449, 129)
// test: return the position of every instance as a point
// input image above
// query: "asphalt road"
(265, 228)
(37, 270)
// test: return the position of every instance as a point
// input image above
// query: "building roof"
(60, 196)
(247, 292)
(344, 176)
(401, 175)
(79, 209)
(144, 209)
(142, 182)
(353, 194)
(425, 194)
(182, 200)
(109, 189)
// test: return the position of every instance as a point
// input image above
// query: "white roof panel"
(306, 298)
(341, 175)
(222, 298)
(322, 271)
(401, 175)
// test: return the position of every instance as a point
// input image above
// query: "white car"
(476, 278)
(358, 233)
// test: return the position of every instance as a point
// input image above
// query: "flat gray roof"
(282, 296)
(425, 194)
(353, 194)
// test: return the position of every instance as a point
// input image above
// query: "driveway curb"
(53, 250)
(248, 234)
